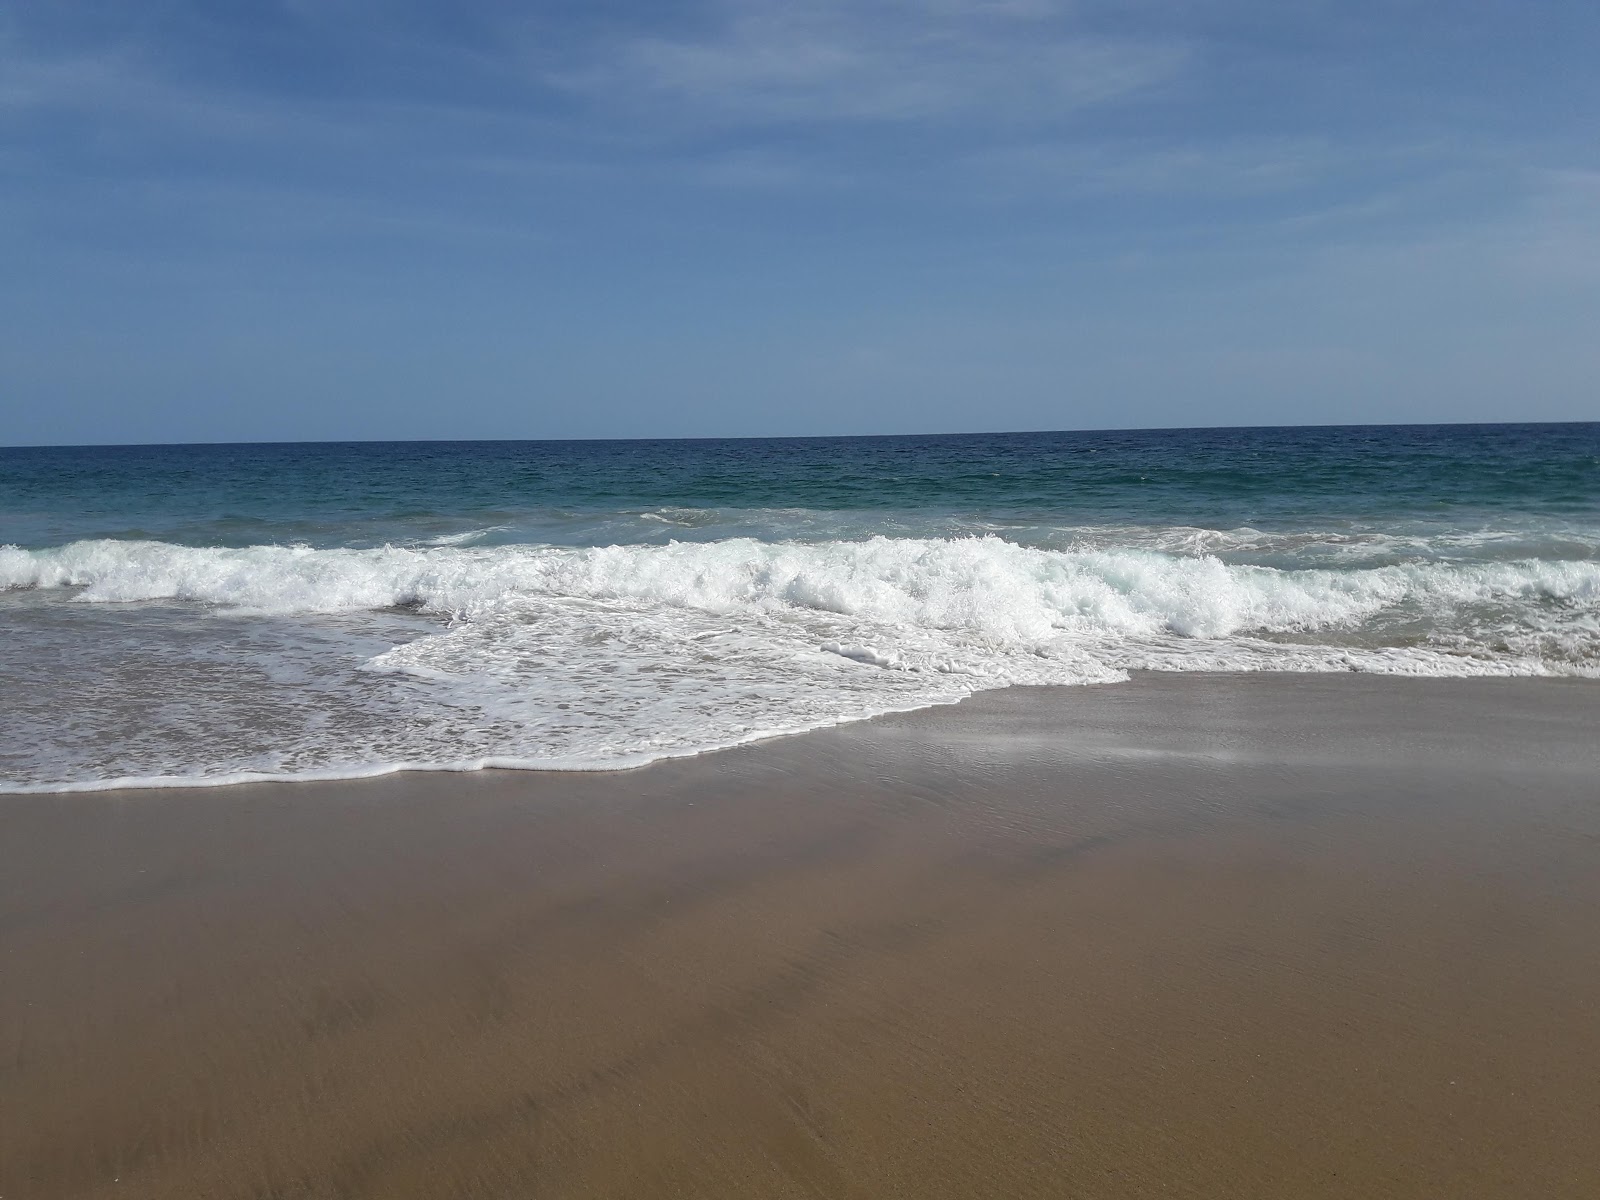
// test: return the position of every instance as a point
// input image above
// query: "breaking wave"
(994, 591)
(459, 656)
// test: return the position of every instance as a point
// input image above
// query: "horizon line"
(789, 437)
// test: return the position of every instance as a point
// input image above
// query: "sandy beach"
(1244, 936)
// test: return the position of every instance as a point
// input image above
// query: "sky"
(341, 219)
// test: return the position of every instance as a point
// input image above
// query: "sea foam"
(599, 657)
(983, 586)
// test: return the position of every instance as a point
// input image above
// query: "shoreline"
(496, 765)
(1249, 935)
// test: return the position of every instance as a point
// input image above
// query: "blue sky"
(315, 219)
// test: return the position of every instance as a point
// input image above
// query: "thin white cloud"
(1558, 237)
(1217, 167)
(878, 61)
(34, 81)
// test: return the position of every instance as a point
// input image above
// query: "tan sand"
(1223, 937)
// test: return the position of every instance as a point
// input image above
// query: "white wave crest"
(990, 588)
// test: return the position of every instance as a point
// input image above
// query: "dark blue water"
(206, 613)
(366, 493)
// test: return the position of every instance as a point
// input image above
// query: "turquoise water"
(206, 613)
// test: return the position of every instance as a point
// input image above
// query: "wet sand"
(1189, 936)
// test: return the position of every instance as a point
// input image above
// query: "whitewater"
(359, 661)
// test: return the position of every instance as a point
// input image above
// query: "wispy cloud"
(1558, 238)
(1213, 167)
(761, 61)
(34, 80)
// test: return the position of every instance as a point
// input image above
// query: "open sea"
(208, 614)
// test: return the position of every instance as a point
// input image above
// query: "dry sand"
(1190, 936)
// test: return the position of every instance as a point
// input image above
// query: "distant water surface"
(214, 613)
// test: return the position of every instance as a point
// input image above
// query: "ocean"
(221, 613)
